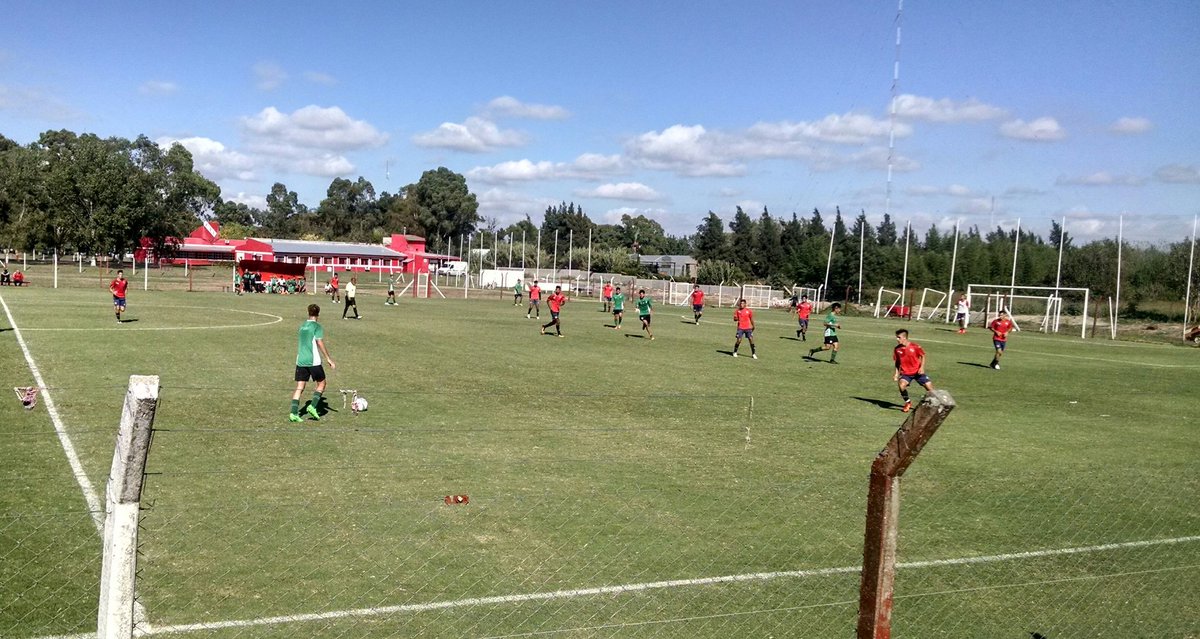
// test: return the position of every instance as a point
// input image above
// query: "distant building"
(400, 253)
(676, 266)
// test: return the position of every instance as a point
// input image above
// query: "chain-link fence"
(613, 515)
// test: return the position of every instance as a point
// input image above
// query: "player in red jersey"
(697, 298)
(803, 312)
(117, 288)
(910, 366)
(1000, 328)
(745, 327)
(555, 303)
(606, 295)
(535, 301)
(334, 294)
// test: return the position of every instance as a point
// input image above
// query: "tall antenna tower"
(887, 202)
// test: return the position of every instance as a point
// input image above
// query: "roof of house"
(662, 259)
(305, 247)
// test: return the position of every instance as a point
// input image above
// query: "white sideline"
(145, 629)
(89, 492)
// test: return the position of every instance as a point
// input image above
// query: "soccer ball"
(359, 404)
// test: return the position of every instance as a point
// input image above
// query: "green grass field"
(618, 486)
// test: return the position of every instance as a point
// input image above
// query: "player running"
(744, 318)
(645, 309)
(117, 287)
(606, 295)
(697, 299)
(1000, 328)
(333, 289)
(831, 337)
(535, 301)
(555, 303)
(803, 313)
(910, 366)
(618, 308)
(310, 354)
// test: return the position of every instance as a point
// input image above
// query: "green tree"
(444, 206)
(741, 241)
(710, 240)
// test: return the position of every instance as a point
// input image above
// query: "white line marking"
(276, 319)
(85, 484)
(639, 587)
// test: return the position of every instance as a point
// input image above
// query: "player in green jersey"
(832, 324)
(618, 308)
(645, 308)
(310, 354)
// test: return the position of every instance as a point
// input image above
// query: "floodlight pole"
(1062, 234)
(904, 282)
(953, 264)
(571, 251)
(589, 268)
(522, 252)
(1012, 283)
(537, 273)
(554, 265)
(1187, 299)
(467, 279)
(862, 237)
(829, 257)
(1117, 303)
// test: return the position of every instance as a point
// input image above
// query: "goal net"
(931, 303)
(757, 295)
(679, 293)
(1048, 308)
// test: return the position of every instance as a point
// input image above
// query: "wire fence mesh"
(612, 515)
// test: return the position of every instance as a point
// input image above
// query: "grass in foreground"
(601, 459)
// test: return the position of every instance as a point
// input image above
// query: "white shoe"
(997, 367)
(735, 354)
(754, 356)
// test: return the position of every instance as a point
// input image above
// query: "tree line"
(93, 195)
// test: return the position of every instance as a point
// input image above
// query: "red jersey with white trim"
(804, 310)
(744, 317)
(535, 292)
(697, 297)
(908, 358)
(556, 301)
(118, 287)
(1000, 328)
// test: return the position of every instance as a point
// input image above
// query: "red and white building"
(399, 253)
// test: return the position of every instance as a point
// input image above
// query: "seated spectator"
(18, 278)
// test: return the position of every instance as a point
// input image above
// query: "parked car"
(452, 268)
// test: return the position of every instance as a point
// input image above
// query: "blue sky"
(1005, 110)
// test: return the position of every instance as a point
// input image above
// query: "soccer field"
(618, 486)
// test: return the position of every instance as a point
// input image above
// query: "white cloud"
(475, 135)
(915, 107)
(158, 87)
(953, 190)
(1100, 178)
(268, 76)
(310, 127)
(213, 159)
(318, 77)
(253, 201)
(1044, 129)
(35, 104)
(589, 166)
(687, 150)
(510, 206)
(1130, 126)
(613, 216)
(622, 191)
(1178, 174)
(850, 128)
(508, 106)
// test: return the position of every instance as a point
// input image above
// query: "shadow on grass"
(794, 339)
(723, 352)
(882, 403)
(637, 335)
(127, 321)
(977, 365)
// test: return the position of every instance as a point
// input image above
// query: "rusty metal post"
(883, 511)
